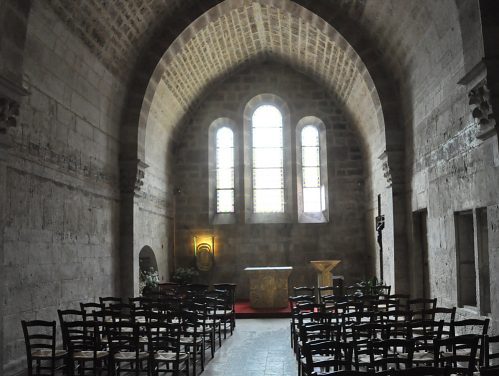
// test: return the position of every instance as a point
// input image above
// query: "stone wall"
(449, 168)
(61, 183)
(241, 244)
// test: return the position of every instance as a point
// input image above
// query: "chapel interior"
(129, 135)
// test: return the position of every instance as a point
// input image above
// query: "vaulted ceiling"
(359, 49)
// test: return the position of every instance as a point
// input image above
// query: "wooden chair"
(84, 341)
(125, 347)
(296, 302)
(326, 355)
(193, 338)
(224, 310)
(40, 341)
(424, 333)
(472, 326)
(456, 360)
(164, 348)
(491, 356)
(230, 288)
(393, 352)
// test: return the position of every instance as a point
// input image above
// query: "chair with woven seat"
(393, 352)
(164, 348)
(230, 288)
(192, 338)
(40, 340)
(223, 310)
(491, 356)
(456, 360)
(125, 347)
(478, 327)
(424, 333)
(83, 339)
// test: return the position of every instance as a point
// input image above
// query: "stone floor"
(258, 347)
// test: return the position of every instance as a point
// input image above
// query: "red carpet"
(244, 311)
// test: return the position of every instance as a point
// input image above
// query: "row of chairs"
(366, 324)
(143, 333)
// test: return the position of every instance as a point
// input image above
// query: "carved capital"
(9, 111)
(481, 110)
(132, 173)
(11, 94)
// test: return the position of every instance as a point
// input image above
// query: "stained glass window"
(268, 169)
(313, 192)
(225, 170)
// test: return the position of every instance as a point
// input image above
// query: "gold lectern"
(323, 268)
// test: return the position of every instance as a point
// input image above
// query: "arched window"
(225, 170)
(268, 168)
(312, 171)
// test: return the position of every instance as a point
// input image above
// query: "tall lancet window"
(225, 170)
(268, 168)
(313, 190)
(312, 187)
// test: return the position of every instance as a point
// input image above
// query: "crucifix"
(380, 225)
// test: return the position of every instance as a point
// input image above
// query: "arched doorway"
(148, 268)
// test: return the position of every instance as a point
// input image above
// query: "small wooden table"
(269, 286)
(323, 268)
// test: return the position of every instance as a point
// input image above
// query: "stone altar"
(269, 286)
(323, 268)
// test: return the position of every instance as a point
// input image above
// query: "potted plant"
(148, 281)
(183, 276)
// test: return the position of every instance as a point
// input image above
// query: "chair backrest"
(108, 300)
(421, 304)
(39, 335)
(455, 360)
(303, 290)
(123, 336)
(335, 354)
(385, 305)
(82, 335)
(88, 308)
(492, 351)
(69, 315)
(382, 354)
(164, 336)
(471, 326)
(424, 333)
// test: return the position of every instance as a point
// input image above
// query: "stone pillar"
(395, 231)
(132, 173)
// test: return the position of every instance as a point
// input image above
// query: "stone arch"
(306, 17)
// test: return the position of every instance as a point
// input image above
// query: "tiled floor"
(258, 347)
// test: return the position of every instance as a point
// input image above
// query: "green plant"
(184, 275)
(148, 279)
(371, 286)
